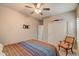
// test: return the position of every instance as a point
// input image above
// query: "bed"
(30, 48)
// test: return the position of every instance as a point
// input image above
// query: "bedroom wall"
(11, 26)
(70, 17)
(78, 30)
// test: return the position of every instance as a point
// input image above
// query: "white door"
(78, 35)
(56, 31)
(78, 31)
(40, 32)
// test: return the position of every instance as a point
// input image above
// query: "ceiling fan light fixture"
(37, 11)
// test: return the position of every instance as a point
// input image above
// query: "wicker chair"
(67, 44)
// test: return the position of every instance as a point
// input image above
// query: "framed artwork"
(25, 26)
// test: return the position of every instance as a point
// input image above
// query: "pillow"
(1, 48)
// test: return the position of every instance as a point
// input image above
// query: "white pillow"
(1, 48)
(2, 54)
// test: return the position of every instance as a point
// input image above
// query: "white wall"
(11, 26)
(70, 17)
(78, 29)
(56, 31)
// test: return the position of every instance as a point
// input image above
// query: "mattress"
(30, 48)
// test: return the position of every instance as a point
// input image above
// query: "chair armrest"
(61, 41)
(69, 45)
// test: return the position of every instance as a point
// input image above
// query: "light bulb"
(37, 11)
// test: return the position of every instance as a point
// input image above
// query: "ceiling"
(55, 8)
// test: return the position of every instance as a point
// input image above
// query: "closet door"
(78, 32)
(56, 31)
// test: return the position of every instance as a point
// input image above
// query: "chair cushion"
(64, 45)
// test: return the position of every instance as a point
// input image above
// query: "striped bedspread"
(30, 48)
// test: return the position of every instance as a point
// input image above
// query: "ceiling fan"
(38, 8)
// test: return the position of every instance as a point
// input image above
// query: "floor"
(63, 53)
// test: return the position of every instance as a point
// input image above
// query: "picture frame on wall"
(25, 26)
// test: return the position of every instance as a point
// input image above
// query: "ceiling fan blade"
(28, 6)
(32, 12)
(46, 9)
(41, 4)
(38, 5)
(41, 13)
(35, 5)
